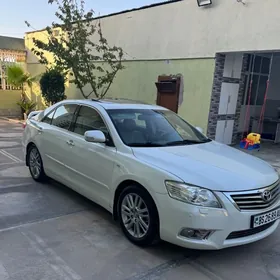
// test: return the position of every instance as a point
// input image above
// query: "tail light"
(24, 125)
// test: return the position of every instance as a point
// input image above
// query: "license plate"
(266, 218)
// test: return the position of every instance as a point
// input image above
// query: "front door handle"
(40, 129)
(70, 143)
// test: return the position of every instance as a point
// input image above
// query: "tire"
(35, 164)
(140, 224)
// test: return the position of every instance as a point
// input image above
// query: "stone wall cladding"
(215, 97)
(214, 117)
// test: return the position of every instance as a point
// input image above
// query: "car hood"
(211, 165)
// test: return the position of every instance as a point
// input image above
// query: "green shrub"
(52, 85)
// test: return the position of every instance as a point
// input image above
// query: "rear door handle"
(70, 143)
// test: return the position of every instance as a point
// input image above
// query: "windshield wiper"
(147, 144)
(186, 142)
(174, 143)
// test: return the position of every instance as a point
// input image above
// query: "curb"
(12, 120)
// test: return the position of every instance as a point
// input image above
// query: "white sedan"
(157, 174)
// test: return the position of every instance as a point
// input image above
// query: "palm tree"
(18, 78)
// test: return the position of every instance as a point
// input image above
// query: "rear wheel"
(35, 164)
(138, 216)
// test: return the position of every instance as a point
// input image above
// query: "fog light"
(195, 233)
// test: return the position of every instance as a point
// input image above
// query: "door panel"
(56, 151)
(233, 65)
(224, 131)
(90, 168)
(52, 141)
(228, 99)
(91, 164)
(227, 107)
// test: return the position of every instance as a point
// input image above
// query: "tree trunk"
(23, 100)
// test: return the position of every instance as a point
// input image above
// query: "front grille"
(248, 232)
(254, 200)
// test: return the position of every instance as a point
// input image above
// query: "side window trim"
(74, 119)
(51, 112)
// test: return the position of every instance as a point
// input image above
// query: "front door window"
(89, 119)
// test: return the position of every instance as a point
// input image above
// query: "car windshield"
(154, 128)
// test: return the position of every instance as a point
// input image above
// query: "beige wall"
(144, 36)
(28, 39)
(183, 30)
(137, 82)
(34, 92)
(8, 103)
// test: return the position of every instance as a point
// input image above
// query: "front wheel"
(138, 216)
(35, 164)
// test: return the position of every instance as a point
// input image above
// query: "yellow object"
(254, 137)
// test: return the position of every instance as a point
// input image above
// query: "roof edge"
(122, 12)
(10, 37)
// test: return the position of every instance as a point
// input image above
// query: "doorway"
(262, 98)
(168, 89)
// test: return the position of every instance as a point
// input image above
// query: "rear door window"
(48, 118)
(64, 115)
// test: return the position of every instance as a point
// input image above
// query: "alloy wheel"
(135, 215)
(35, 163)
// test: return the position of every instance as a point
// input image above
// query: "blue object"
(242, 145)
(254, 147)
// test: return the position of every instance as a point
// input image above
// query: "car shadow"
(213, 263)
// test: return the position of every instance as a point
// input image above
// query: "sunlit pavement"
(48, 232)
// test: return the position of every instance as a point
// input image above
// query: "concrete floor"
(48, 232)
(269, 152)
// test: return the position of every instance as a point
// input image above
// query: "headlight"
(192, 194)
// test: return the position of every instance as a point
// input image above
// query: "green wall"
(137, 81)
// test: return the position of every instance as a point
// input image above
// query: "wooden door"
(168, 92)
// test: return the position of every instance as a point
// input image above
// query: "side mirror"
(199, 129)
(95, 136)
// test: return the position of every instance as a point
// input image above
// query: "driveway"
(48, 232)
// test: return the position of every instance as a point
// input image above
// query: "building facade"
(210, 48)
(12, 50)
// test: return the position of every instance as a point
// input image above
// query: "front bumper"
(175, 215)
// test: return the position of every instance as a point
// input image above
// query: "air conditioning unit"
(202, 3)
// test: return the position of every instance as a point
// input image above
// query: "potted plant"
(26, 107)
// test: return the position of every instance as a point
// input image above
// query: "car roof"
(117, 103)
